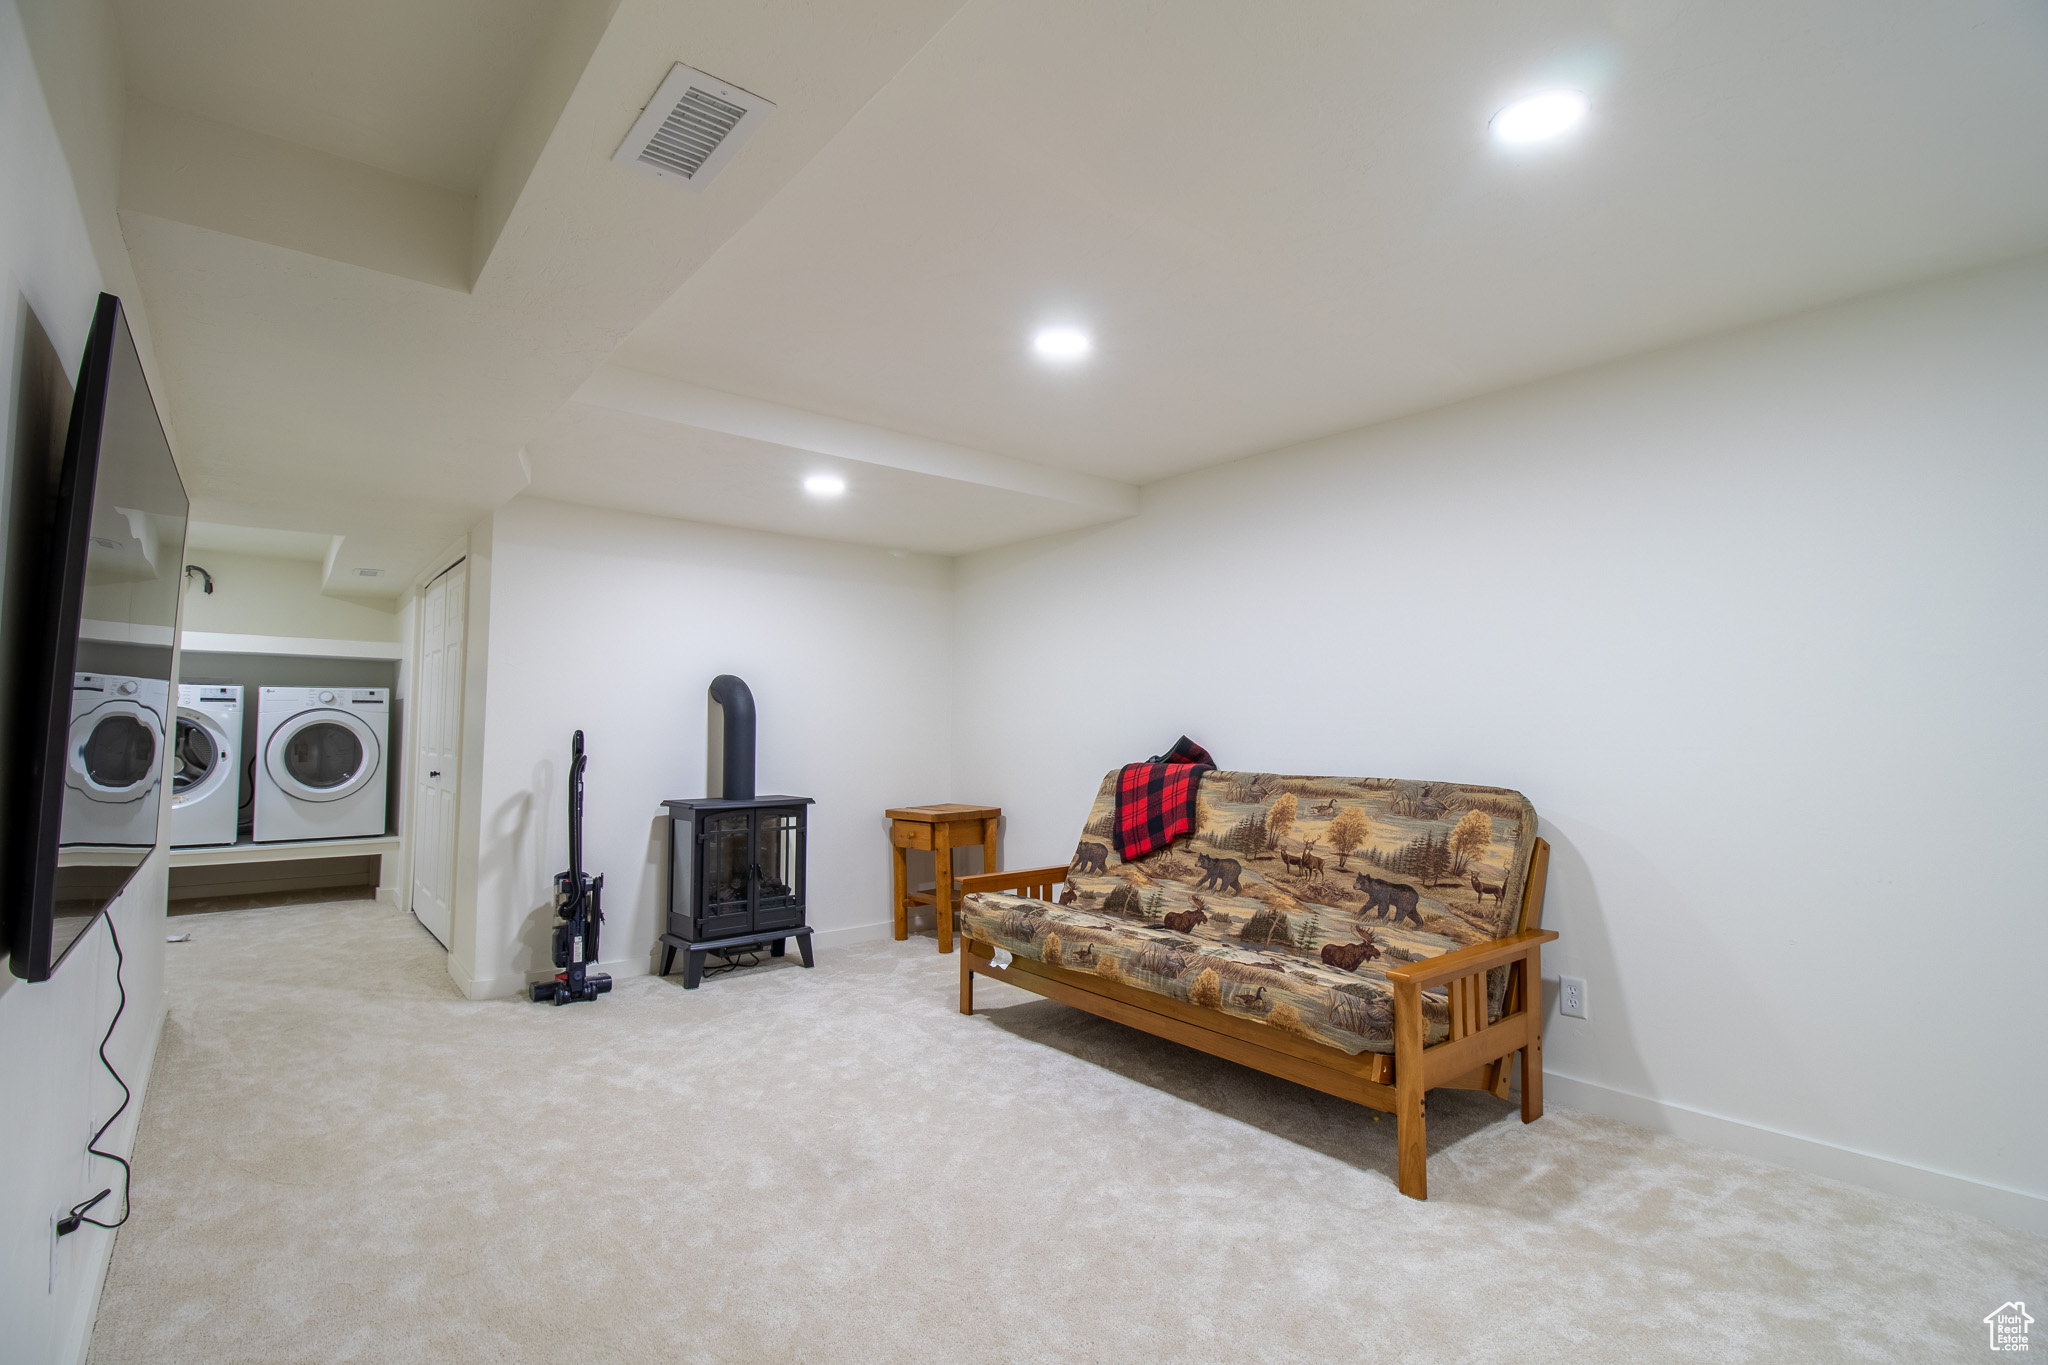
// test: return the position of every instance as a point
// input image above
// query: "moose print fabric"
(1288, 901)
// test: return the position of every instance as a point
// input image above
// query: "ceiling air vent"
(692, 127)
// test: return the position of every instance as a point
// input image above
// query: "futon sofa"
(1375, 939)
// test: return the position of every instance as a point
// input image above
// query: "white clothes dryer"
(206, 781)
(113, 769)
(320, 756)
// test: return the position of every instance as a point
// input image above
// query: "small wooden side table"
(941, 829)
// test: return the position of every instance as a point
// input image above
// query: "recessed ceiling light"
(1540, 117)
(824, 485)
(1062, 343)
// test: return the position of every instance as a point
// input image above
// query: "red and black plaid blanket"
(1155, 800)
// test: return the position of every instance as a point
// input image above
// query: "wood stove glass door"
(724, 864)
(781, 848)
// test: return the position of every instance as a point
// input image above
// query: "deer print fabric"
(1289, 901)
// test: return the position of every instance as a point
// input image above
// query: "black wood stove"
(736, 860)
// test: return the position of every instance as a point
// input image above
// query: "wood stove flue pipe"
(732, 740)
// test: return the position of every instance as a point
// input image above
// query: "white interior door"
(438, 726)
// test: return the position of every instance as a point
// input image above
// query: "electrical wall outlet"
(1571, 996)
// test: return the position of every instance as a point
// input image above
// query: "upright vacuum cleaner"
(577, 903)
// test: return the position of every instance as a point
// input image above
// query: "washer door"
(322, 755)
(199, 765)
(114, 752)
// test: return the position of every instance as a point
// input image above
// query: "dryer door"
(114, 752)
(322, 755)
(199, 764)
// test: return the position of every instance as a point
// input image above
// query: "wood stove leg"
(693, 969)
(803, 945)
(775, 948)
(668, 957)
(942, 888)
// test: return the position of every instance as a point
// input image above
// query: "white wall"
(53, 1093)
(262, 595)
(1757, 625)
(616, 624)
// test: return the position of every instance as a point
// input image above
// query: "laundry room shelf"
(223, 642)
(219, 854)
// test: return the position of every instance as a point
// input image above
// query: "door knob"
(435, 773)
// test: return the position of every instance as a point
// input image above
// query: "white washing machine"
(206, 782)
(113, 769)
(320, 755)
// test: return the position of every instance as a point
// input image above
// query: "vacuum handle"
(576, 763)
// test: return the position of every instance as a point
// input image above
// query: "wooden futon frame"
(1475, 1055)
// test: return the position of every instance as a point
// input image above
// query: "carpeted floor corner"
(343, 1160)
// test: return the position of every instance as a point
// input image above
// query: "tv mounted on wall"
(92, 677)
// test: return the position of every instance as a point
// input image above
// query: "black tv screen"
(94, 686)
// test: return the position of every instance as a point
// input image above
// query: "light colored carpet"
(341, 1160)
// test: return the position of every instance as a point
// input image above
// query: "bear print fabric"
(1288, 901)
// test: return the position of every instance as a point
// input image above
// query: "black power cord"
(70, 1222)
(729, 960)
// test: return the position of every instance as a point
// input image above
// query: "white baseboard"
(496, 987)
(464, 982)
(851, 934)
(1959, 1194)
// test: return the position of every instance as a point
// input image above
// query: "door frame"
(408, 761)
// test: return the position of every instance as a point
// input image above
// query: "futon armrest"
(1433, 971)
(1021, 882)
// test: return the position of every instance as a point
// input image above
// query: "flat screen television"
(92, 680)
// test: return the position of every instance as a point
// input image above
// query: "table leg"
(902, 902)
(942, 887)
(988, 845)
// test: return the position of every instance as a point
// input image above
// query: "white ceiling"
(1283, 221)
(647, 444)
(635, 463)
(313, 392)
(251, 540)
(415, 88)
(1279, 221)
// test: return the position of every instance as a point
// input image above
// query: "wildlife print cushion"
(1289, 901)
